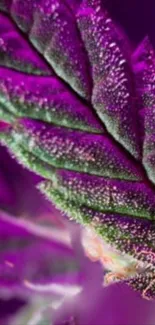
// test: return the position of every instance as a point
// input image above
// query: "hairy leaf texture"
(144, 61)
(16, 53)
(80, 112)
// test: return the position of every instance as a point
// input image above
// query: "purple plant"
(79, 107)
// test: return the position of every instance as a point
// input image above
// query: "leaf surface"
(81, 114)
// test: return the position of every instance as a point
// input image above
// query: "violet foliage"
(78, 106)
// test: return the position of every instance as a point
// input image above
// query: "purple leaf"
(86, 125)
